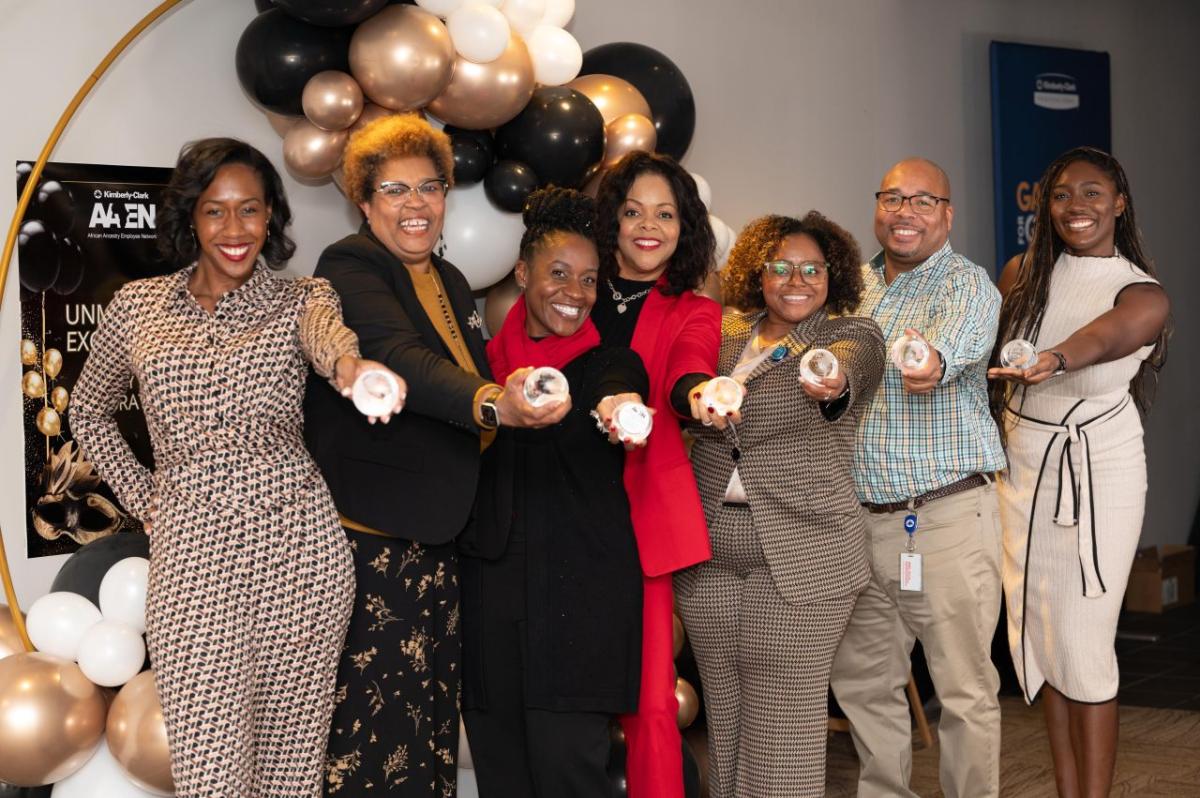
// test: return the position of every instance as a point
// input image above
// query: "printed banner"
(1045, 100)
(89, 230)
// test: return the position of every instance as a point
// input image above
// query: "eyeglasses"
(810, 271)
(924, 204)
(396, 192)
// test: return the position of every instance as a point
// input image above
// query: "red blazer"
(675, 335)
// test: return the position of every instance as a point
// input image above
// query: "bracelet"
(1062, 363)
(942, 360)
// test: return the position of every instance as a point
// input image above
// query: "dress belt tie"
(1075, 507)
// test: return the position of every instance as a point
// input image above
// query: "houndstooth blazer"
(794, 463)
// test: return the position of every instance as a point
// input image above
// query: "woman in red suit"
(656, 247)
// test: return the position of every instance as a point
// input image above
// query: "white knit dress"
(1073, 497)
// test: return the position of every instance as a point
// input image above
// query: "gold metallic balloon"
(137, 735)
(10, 638)
(52, 363)
(402, 57)
(500, 299)
(51, 719)
(676, 635)
(612, 96)
(487, 95)
(60, 398)
(49, 422)
(28, 352)
(689, 703)
(332, 100)
(280, 123)
(312, 153)
(32, 384)
(628, 133)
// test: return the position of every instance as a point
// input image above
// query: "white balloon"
(704, 190)
(123, 593)
(481, 240)
(725, 240)
(58, 621)
(443, 8)
(556, 55)
(525, 15)
(111, 653)
(100, 776)
(480, 32)
(558, 12)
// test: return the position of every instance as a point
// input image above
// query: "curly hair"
(552, 210)
(198, 164)
(393, 136)
(1025, 306)
(759, 241)
(695, 255)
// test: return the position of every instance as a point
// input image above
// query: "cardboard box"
(1162, 577)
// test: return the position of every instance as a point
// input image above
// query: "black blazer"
(414, 477)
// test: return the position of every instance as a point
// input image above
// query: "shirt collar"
(876, 262)
(258, 278)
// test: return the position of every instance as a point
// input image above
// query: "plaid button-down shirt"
(910, 444)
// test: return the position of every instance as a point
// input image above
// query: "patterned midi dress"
(251, 578)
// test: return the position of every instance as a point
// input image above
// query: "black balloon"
(618, 783)
(660, 82)
(560, 134)
(263, 5)
(70, 267)
(691, 773)
(37, 256)
(474, 152)
(277, 54)
(12, 791)
(331, 12)
(509, 184)
(53, 205)
(24, 170)
(84, 570)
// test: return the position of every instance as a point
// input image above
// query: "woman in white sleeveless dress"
(1072, 501)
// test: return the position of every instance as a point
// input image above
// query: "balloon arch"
(524, 107)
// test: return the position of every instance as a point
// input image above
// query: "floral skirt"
(395, 722)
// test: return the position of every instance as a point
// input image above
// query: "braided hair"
(1025, 306)
(556, 210)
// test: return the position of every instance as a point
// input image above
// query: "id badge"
(910, 571)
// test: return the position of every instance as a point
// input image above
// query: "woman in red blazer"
(656, 247)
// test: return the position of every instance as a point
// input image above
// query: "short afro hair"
(758, 242)
(393, 136)
(553, 210)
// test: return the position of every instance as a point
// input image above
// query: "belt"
(1074, 505)
(973, 481)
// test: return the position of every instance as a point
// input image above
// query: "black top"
(414, 477)
(560, 491)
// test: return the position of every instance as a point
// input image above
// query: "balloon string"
(10, 592)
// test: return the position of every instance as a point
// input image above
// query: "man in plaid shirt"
(925, 457)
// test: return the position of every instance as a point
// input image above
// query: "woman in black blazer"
(552, 596)
(404, 490)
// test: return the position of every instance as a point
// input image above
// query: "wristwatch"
(489, 414)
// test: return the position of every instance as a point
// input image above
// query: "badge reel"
(633, 421)
(376, 392)
(545, 385)
(818, 364)
(910, 561)
(910, 352)
(1018, 354)
(722, 394)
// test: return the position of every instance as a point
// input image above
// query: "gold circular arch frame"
(10, 592)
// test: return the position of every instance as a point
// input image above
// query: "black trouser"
(520, 752)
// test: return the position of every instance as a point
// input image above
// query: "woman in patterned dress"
(1072, 501)
(405, 491)
(766, 614)
(250, 578)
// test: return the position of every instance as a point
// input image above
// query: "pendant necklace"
(622, 300)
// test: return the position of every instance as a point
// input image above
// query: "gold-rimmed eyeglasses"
(396, 192)
(810, 271)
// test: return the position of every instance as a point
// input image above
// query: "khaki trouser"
(954, 617)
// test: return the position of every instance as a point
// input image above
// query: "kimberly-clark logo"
(1055, 91)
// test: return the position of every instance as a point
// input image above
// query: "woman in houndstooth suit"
(765, 615)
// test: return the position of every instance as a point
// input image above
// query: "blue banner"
(1045, 100)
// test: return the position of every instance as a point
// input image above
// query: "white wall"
(800, 104)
